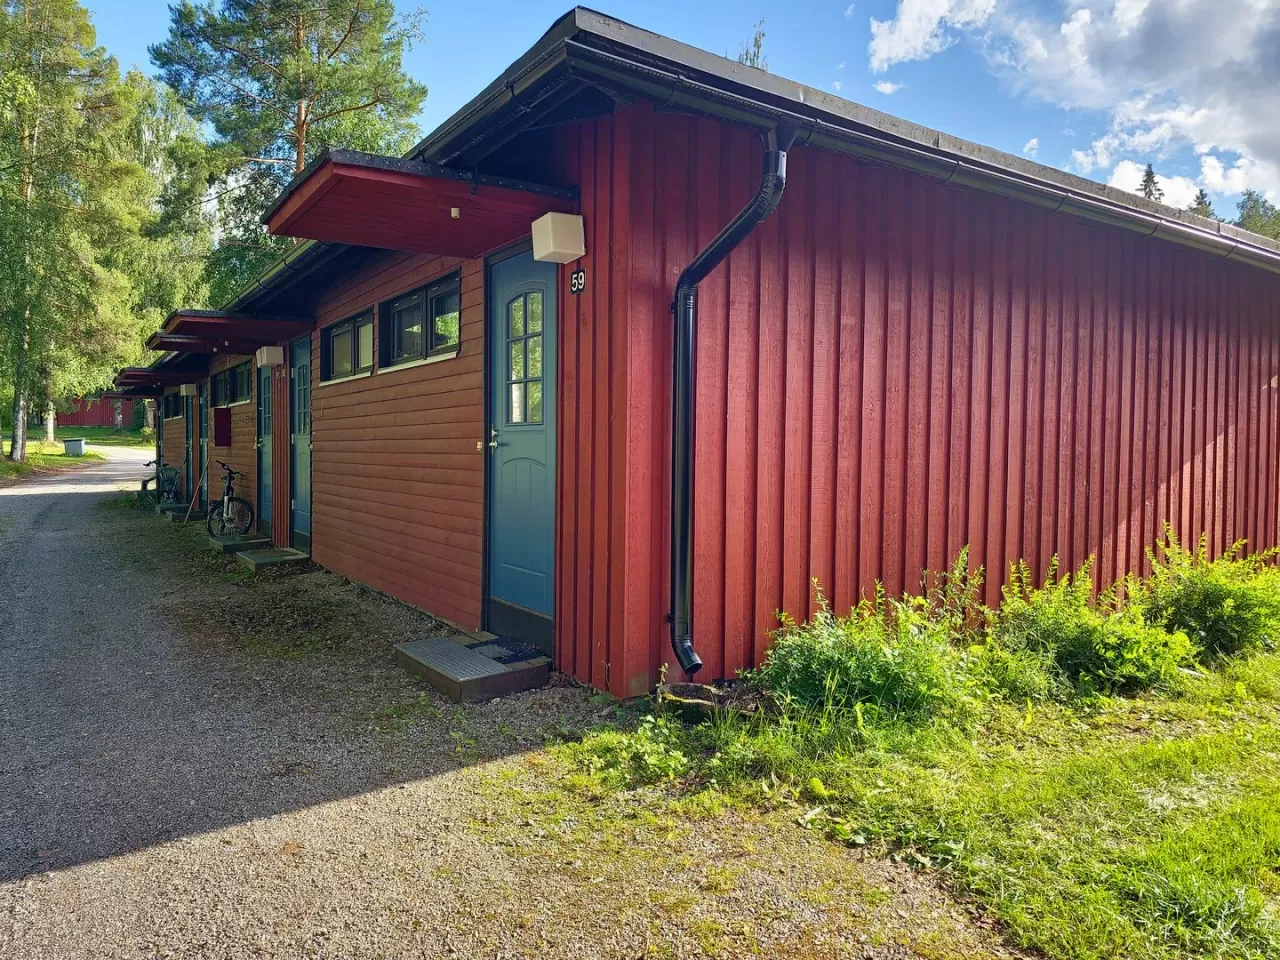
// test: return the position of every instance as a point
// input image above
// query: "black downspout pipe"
(685, 308)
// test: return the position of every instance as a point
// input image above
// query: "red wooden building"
(96, 412)
(923, 344)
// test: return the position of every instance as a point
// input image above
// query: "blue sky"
(1099, 87)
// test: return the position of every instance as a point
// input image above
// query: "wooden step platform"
(238, 542)
(178, 513)
(271, 557)
(472, 667)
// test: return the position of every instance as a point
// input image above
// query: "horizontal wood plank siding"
(397, 482)
(242, 454)
(888, 370)
(173, 442)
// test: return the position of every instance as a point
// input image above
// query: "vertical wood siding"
(397, 479)
(242, 454)
(97, 413)
(888, 370)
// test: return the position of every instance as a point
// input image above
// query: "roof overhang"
(585, 47)
(367, 200)
(132, 393)
(214, 331)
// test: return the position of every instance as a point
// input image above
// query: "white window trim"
(421, 362)
(347, 379)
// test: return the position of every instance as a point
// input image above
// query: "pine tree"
(1202, 205)
(1150, 186)
(277, 81)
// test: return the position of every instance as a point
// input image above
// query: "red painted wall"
(397, 474)
(96, 413)
(889, 369)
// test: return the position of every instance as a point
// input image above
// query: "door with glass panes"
(522, 319)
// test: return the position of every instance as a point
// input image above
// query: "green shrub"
(1015, 675)
(1092, 646)
(1226, 605)
(656, 751)
(893, 658)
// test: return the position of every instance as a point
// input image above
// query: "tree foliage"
(1258, 214)
(1202, 205)
(87, 260)
(1151, 186)
(277, 81)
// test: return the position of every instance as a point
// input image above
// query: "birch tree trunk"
(50, 422)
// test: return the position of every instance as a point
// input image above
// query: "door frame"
(293, 474)
(267, 374)
(544, 638)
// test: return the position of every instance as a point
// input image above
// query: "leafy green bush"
(656, 751)
(892, 658)
(1226, 605)
(1105, 645)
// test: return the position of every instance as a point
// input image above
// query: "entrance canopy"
(214, 331)
(373, 201)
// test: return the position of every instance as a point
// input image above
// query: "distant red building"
(94, 412)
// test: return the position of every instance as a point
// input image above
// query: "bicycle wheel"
(215, 523)
(238, 516)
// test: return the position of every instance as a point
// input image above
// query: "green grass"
(1143, 828)
(41, 456)
(105, 436)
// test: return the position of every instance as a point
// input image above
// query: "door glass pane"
(535, 401)
(535, 357)
(535, 312)
(517, 403)
(516, 368)
(515, 311)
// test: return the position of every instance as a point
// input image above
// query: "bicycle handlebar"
(227, 467)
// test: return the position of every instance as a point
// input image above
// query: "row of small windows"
(420, 324)
(172, 405)
(232, 385)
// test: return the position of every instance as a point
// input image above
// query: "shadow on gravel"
(152, 690)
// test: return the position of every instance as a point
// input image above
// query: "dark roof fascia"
(589, 46)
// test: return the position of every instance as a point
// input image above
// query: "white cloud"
(1031, 147)
(848, 11)
(1179, 192)
(1171, 75)
(836, 86)
(922, 28)
(842, 64)
(887, 88)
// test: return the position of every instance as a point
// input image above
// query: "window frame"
(352, 325)
(433, 347)
(177, 404)
(224, 386)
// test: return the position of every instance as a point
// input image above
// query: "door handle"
(493, 438)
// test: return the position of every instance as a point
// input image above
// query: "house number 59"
(577, 281)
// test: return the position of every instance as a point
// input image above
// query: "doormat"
(506, 650)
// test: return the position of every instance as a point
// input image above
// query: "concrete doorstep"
(457, 667)
(238, 542)
(271, 557)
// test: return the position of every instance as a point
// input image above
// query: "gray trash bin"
(73, 447)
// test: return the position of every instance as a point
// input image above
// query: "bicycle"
(231, 514)
(166, 480)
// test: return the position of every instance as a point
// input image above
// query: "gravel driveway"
(161, 796)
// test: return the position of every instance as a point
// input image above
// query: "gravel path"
(164, 797)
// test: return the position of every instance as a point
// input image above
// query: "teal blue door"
(264, 449)
(522, 337)
(300, 441)
(204, 443)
